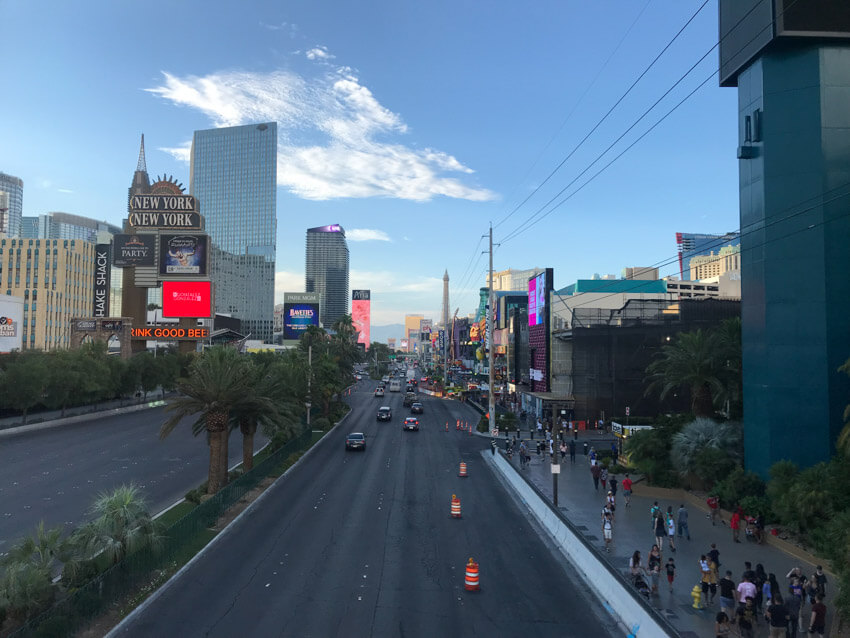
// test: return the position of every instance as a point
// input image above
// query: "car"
(409, 388)
(385, 379)
(355, 441)
(379, 391)
(409, 399)
(411, 423)
(416, 408)
(385, 413)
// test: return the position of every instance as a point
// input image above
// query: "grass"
(175, 513)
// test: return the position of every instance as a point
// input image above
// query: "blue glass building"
(326, 271)
(234, 177)
(10, 221)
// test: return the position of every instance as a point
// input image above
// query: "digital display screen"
(816, 17)
(537, 300)
(186, 299)
(297, 317)
(361, 305)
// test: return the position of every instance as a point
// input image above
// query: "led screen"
(186, 299)
(297, 317)
(360, 314)
(537, 300)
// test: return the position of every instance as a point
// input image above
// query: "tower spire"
(141, 166)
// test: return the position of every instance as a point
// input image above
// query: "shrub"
(55, 627)
(321, 423)
(707, 449)
(710, 465)
(737, 486)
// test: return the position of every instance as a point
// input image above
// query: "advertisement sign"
(167, 211)
(405, 344)
(134, 250)
(361, 304)
(186, 299)
(113, 325)
(441, 339)
(537, 297)
(183, 255)
(11, 318)
(300, 311)
(102, 272)
(425, 326)
(8, 327)
(85, 324)
(169, 332)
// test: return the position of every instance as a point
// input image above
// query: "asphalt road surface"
(362, 544)
(55, 474)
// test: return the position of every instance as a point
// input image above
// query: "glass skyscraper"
(693, 245)
(327, 271)
(234, 177)
(10, 219)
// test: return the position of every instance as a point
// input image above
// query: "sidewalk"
(583, 505)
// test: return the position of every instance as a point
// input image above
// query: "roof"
(615, 286)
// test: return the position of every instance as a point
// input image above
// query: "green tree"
(121, 526)
(63, 379)
(23, 382)
(216, 385)
(707, 449)
(249, 415)
(44, 549)
(690, 361)
(729, 357)
(25, 590)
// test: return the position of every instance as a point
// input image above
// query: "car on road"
(379, 391)
(409, 399)
(355, 441)
(411, 423)
(385, 413)
(395, 386)
(385, 379)
(416, 408)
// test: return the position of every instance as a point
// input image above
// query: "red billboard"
(186, 299)
(361, 305)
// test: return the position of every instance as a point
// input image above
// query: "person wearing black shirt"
(777, 617)
(727, 594)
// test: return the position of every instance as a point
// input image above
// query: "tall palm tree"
(215, 385)
(263, 410)
(691, 361)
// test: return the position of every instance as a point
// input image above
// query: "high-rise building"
(326, 271)
(727, 259)
(55, 277)
(64, 226)
(691, 245)
(29, 225)
(234, 177)
(411, 330)
(511, 279)
(10, 219)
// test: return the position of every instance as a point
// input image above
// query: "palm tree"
(122, 525)
(691, 361)
(43, 549)
(263, 410)
(216, 385)
(701, 434)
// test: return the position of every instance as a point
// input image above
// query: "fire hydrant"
(696, 594)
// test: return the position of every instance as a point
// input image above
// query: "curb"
(79, 418)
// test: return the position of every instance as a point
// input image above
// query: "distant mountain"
(382, 333)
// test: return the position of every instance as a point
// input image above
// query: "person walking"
(563, 450)
(594, 472)
(572, 451)
(660, 531)
(607, 528)
(793, 605)
(610, 501)
(654, 512)
(670, 568)
(654, 565)
(671, 527)
(735, 526)
(614, 452)
(523, 454)
(627, 490)
(713, 554)
(722, 628)
(713, 508)
(603, 477)
(817, 624)
(705, 578)
(777, 617)
(682, 522)
(727, 594)
(612, 484)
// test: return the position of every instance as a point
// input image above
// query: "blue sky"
(414, 125)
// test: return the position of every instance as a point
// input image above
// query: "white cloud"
(181, 153)
(286, 281)
(379, 281)
(334, 138)
(319, 53)
(65, 190)
(366, 234)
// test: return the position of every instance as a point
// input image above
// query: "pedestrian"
(713, 554)
(654, 564)
(592, 453)
(820, 581)
(612, 484)
(745, 618)
(610, 501)
(670, 568)
(585, 448)
(607, 528)
(627, 490)
(734, 525)
(793, 605)
(777, 617)
(572, 451)
(682, 520)
(712, 581)
(749, 574)
(817, 624)
(594, 472)
(760, 580)
(563, 450)
(539, 447)
(660, 531)
(727, 593)
(539, 429)
(770, 589)
(523, 454)
(603, 476)
(705, 576)
(654, 511)
(713, 508)
(746, 589)
(722, 628)
(614, 452)
(671, 527)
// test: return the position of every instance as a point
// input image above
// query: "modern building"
(640, 272)
(10, 218)
(690, 245)
(511, 279)
(411, 329)
(727, 259)
(64, 226)
(234, 178)
(55, 277)
(278, 318)
(326, 271)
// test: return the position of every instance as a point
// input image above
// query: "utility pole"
(491, 340)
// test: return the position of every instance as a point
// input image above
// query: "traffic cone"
(457, 424)
(455, 506)
(447, 426)
(462, 471)
(472, 582)
(469, 429)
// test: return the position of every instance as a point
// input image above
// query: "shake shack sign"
(164, 211)
(101, 280)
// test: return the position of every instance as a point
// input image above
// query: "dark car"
(385, 413)
(411, 423)
(416, 408)
(355, 441)
(409, 399)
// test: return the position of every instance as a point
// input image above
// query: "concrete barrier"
(619, 596)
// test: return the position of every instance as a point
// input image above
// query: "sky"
(414, 125)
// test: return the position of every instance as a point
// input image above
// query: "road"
(55, 474)
(362, 544)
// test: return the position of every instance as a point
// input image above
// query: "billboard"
(300, 311)
(134, 250)
(361, 305)
(168, 211)
(538, 288)
(102, 271)
(186, 299)
(182, 255)
(11, 320)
